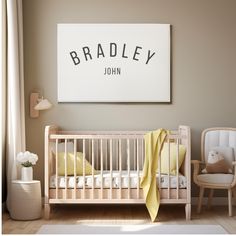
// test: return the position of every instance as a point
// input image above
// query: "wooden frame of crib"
(105, 141)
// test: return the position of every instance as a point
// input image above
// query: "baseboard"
(217, 201)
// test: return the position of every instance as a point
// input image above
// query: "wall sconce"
(37, 104)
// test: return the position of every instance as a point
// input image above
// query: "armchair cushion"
(215, 178)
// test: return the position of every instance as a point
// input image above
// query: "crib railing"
(108, 151)
(104, 153)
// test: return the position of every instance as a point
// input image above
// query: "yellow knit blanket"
(153, 144)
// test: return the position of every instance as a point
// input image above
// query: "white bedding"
(115, 180)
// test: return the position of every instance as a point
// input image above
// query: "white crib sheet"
(115, 180)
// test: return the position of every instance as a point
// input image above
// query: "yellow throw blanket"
(153, 144)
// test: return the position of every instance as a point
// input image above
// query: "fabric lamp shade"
(44, 104)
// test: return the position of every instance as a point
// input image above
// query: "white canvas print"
(113, 62)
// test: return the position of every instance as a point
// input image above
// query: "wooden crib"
(117, 159)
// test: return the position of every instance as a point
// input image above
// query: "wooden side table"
(26, 202)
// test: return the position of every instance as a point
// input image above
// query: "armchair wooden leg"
(230, 201)
(234, 196)
(200, 199)
(210, 198)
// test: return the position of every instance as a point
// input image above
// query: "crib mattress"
(116, 180)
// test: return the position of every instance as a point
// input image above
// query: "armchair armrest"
(198, 162)
(196, 168)
(234, 169)
(234, 173)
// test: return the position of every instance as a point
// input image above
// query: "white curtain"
(12, 89)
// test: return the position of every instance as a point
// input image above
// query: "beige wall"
(203, 66)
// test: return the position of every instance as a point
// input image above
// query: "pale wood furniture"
(110, 151)
(212, 137)
(26, 203)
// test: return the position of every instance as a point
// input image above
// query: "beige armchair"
(222, 140)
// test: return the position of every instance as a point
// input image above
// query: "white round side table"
(26, 203)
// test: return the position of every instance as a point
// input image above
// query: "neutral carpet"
(131, 229)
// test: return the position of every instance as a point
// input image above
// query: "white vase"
(27, 173)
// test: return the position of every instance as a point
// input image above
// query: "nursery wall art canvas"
(113, 62)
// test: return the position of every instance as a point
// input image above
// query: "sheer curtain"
(12, 88)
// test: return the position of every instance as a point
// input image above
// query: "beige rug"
(131, 229)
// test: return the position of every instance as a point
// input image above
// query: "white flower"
(21, 157)
(27, 158)
(33, 158)
(27, 154)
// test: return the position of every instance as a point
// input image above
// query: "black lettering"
(149, 56)
(112, 71)
(74, 57)
(87, 53)
(108, 70)
(136, 53)
(100, 51)
(118, 71)
(113, 46)
(123, 52)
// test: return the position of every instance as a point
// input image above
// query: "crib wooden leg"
(188, 211)
(47, 209)
(200, 200)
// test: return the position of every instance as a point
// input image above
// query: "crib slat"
(101, 155)
(56, 168)
(117, 155)
(89, 144)
(111, 168)
(134, 142)
(65, 168)
(137, 156)
(168, 168)
(97, 151)
(106, 154)
(177, 169)
(159, 173)
(128, 157)
(120, 168)
(84, 168)
(75, 166)
(92, 168)
(142, 150)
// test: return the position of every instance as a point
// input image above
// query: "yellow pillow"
(173, 158)
(70, 164)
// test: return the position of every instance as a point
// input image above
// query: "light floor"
(121, 214)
